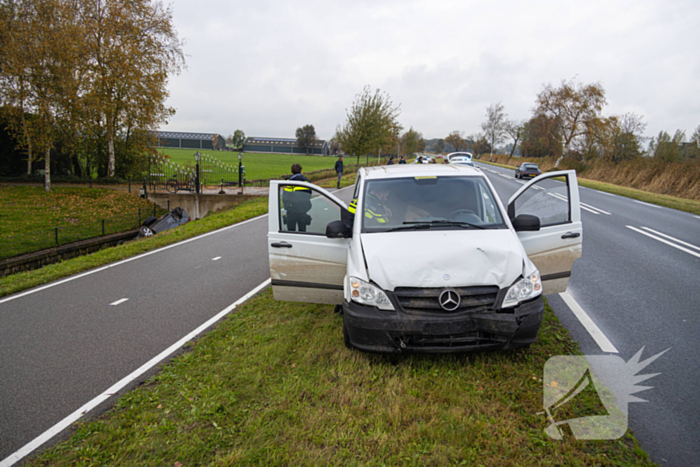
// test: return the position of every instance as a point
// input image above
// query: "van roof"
(416, 170)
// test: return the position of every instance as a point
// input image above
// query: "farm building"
(179, 139)
(283, 146)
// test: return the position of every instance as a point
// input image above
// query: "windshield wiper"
(444, 222)
(414, 226)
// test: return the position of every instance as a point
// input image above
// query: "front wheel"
(171, 186)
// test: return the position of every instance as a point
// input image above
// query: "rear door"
(306, 266)
(554, 199)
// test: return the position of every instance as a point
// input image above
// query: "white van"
(429, 260)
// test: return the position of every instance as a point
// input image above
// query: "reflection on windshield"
(429, 202)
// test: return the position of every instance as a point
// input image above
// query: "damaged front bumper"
(374, 330)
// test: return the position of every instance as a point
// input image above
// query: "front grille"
(425, 300)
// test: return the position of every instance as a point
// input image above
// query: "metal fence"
(38, 240)
(164, 175)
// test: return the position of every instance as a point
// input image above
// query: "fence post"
(154, 209)
(56, 232)
(129, 183)
(139, 217)
(103, 227)
(168, 205)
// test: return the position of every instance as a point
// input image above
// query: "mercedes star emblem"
(449, 300)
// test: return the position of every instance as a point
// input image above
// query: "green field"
(257, 166)
(33, 219)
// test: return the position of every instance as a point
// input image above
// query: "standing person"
(297, 202)
(391, 161)
(339, 169)
(402, 160)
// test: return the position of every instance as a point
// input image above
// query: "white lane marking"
(593, 207)
(663, 241)
(589, 210)
(647, 204)
(216, 259)
(697, 217)
(118, 302)
(143, 255)
(604, 192)
(537, 187)
(595, 332)
(672, 238)
(559, 196)
(111, 391)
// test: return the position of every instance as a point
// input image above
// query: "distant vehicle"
(527, 170)
(423, 160)
(461, 154)
(463, 160)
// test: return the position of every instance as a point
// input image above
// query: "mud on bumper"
(374, 330)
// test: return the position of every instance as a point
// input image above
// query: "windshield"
(429, 203)
(531, 166)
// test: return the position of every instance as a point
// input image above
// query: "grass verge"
(274, 385)
(681, 204)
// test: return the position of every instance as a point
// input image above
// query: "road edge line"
(115, 388)
(594, 331)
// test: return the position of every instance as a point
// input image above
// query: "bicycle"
(173, 185)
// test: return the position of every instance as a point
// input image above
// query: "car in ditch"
(427, 259)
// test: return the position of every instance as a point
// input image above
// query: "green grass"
(274, 385)
(17, 282)
(30, 216)
(681, 204)
(257, 166)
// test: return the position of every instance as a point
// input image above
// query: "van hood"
(443, 258)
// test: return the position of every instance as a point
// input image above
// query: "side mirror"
(526, 223)
(338, 229)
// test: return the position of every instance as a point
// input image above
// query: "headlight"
(525, 289)
(368, 294)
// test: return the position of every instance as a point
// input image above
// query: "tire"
(171, 186)
(145, 232)
(150, 220)
(338, 309)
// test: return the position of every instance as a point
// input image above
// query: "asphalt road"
(64, 345)
(640, 292)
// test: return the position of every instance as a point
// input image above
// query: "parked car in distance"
(461, 160)
(527, 170)
(423, 160)
(427, 259)
(460, 156)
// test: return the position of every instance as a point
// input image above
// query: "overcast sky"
(269, 67)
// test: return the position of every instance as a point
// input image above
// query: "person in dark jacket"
(297, 202)
(391, 161)
(402, 160)
(339, 169)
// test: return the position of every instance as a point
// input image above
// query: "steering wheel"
(459, 212)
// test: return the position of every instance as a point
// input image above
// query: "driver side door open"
(554, 199)
(305, 265)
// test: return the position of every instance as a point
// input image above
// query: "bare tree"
(494, 126)
(514, 129)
